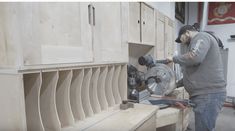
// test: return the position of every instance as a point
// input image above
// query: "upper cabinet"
(169, 37)
(55, 33)
(45, 33)
(63, 31)
(109, 20)
(164, 36)
(141, 23)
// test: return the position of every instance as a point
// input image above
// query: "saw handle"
(165, 61)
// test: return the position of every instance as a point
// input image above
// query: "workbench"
(171, 118)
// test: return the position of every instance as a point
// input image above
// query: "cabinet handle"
(93, 8)
(89, 14)
(138, 21)
(144, 22)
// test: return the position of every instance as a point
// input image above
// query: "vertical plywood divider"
(85, 92)
(76, 96)
(32, 86)
(93, 90)
(123, 82)
(108, 86)
(49, 113)
(101, 88)
(63, 98)
(116, 92)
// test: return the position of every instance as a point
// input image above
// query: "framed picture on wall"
(221, 13)
(180, 11)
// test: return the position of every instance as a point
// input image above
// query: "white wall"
(167, 8)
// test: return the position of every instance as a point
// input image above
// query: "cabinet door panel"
(107, 31)
(160, 29)
(63, 31)
(169, 37)
(134, 22)
(147, 24)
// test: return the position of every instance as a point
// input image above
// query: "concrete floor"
(225, 121)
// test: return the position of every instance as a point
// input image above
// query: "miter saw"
(159, 79)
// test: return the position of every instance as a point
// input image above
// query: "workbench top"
(117, 120)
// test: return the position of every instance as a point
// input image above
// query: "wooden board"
(94, 90)
(160, 35)
(108, 86)
(63, 37)
(108, 41)
(122, 83)
(13, 117)
(127, 120)
(63, 98)
(85, 93)
(32, 86)
(76, 95)
(101, 88)
(115, 86)
(147, 24)
(48, 109)
(134, 22)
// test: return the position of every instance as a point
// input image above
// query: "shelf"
(141, 44)
(64, 98)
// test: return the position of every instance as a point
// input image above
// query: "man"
(203, 76)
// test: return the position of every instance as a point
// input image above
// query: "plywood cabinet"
(169, 37)
(147, 25)
(45, 33)
(55, 33)
(164, 36)
(160, 35)
(64, 32)
(141, 23)
(108, 39)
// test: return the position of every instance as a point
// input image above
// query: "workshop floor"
(225, 121)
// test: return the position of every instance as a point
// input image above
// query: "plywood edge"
(63, 98)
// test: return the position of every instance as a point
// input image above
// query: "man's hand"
(169, 59)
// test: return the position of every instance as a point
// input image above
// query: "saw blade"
(160, 79)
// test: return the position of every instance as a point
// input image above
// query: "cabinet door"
(147, 24)
(169, 37)
(107, 41)
(63, 31)
(134, 22)
(160, 29)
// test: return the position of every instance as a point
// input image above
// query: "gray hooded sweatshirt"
(203, 67)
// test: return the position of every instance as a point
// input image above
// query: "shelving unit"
(61, 98)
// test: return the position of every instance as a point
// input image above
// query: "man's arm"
(196, 54)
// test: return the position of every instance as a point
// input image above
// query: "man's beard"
(188, 41)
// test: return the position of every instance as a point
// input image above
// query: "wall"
(167, 8)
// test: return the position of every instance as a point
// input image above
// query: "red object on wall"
(221, 13)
